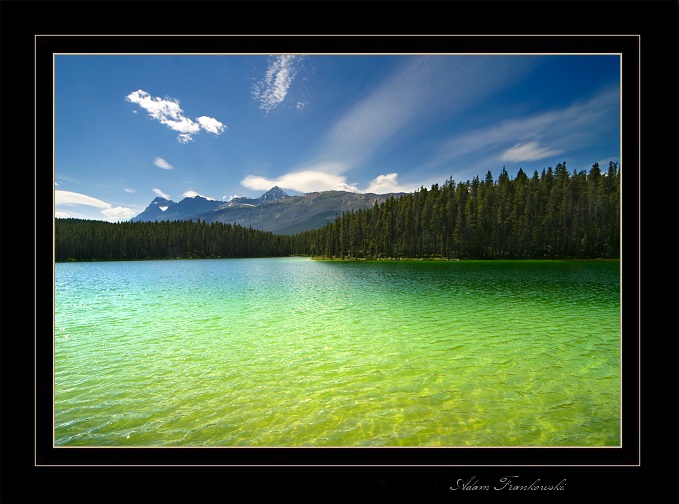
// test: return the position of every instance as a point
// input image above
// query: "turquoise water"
(297, 352)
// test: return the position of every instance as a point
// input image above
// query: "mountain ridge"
(274, 211)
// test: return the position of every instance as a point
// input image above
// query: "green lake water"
(297, 352)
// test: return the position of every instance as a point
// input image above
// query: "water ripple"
(293, 352)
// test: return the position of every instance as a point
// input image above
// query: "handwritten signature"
(508, 483)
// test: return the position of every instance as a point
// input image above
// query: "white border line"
(337, 54)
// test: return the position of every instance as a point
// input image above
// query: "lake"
(298, 352)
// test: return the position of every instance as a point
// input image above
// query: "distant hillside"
(274, 211)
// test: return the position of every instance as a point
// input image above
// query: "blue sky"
(129, 128)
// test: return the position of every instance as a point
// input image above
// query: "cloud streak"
(411, 97)
(168, 112)
(530, 151)
(69, 198)
(407, 100)
(272, 90)
(160, 193)
(161, 163)
(72, 199)
(538, 136)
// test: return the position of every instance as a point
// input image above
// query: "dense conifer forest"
(87, 240)
(555, 214)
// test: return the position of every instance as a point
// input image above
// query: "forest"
(88, 240)
(553, 214)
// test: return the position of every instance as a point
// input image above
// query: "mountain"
(154, 211)
(273, 194)
(274, 211)
(162, 209)
(295, 214)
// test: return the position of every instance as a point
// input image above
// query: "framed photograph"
(402, 265)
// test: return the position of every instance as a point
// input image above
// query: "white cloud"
(302, 181)
(530, 151)
(128, 190)
(184, 126)
(118, 213)
(193, 194)
(167, 109)
(168, 112)
(161, 163)
(160, 193)
(71, 199)
(313, 181)
(211, 125)
(384, 184)
(348, 188)
(271, 91)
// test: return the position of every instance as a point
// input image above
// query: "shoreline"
(439, 259)
(350, 259)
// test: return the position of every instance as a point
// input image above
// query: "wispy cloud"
(530, 151)
(72, 199)
(272, 90)
(408, 99)
(411, 97)
(161, 163)
(128, 190)
(160, 193)
(538, 136)
(168, 112)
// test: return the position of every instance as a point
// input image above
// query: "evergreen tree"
(554, 214)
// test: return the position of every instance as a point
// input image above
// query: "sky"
(130, 128)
